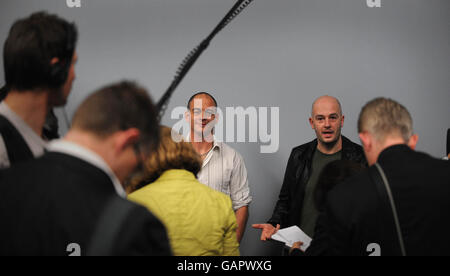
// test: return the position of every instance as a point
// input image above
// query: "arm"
(231, 244)
(240, 194)
(279, 215)
(241, 218)
(281, 208)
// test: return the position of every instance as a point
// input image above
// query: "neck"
(392, 141)
(330, 148)
(31, 106)
(88, 141)
(103, 147)
(200, 143)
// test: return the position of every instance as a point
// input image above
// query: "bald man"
(296, 205)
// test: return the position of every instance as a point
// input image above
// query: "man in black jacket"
(61, 203)
(359, 218)
(295, 205)
(39, 61)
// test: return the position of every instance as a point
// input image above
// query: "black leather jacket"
(290, 202)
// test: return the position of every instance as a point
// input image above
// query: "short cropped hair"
(173, 153)
(31, 44)
(119, 107)
(197, 94)
(385, 117)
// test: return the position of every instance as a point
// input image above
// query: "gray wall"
(281, 53)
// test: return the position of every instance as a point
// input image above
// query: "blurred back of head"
(332, 174)
(31, 45)
(385, 118)
(119, 107)
(173, 153)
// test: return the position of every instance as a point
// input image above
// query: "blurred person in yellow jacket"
(200, 221)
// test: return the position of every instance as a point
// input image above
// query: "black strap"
(388, 207)
(107, 230)
(17, 148)
(193, 55)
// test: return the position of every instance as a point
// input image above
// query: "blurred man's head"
(202, 114)
(327, 120)
(39, 55)
(382, 123)
(118, 122)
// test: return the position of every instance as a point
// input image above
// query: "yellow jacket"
(199, 220)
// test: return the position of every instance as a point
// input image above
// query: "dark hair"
(31, 44)
(3, 93)
(200, 93)
(119, 107)
(332, 174)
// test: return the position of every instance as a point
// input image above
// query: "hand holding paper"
(291, 235)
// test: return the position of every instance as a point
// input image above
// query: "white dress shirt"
(224, 170)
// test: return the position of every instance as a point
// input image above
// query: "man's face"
(202, 115)
(327, 120)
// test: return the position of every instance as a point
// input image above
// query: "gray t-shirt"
(309, 211)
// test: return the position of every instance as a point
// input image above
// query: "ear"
(187, 116)
(126, 138)
(413, 141)
(342, 121)
(54, 61)
(216, 117)
(311, 122)
(366, 140)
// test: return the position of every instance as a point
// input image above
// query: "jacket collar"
(393, 150)
(177, 174)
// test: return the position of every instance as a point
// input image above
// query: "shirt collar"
(37, 144)
(88, 156)
(216, 145)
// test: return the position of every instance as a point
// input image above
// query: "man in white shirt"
(223, 168)
(39, 71)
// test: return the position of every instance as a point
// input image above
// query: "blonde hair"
(172, 153)
(385, 117)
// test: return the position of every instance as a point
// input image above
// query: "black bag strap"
(108, 227)
(384, 190)
(17, 148)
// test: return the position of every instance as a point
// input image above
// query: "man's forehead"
(202, 101)
(326, 106)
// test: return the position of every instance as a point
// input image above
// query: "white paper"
(291, 235)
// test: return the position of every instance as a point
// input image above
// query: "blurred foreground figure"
(63, 200)
(200, 221)
(39, 63)
(399, 206)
